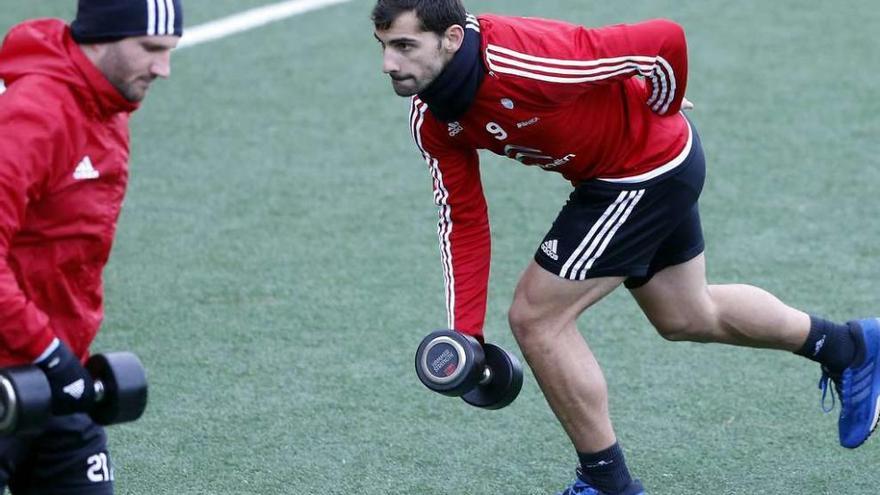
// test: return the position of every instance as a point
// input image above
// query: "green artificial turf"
(276, 266)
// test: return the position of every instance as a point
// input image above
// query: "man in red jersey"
(64, 147)
(602, 107)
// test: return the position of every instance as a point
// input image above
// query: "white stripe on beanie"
(170, 8)
(151, 17)
(160, 21)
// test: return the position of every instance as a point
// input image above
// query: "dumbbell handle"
(487, 376)
(99, 391)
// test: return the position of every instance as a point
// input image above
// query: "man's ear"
(453, 38)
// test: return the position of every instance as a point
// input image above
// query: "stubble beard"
(132, 91)
(405, 91)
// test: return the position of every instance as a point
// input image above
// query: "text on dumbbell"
(442, 360)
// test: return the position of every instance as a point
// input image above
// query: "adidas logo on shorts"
(549, 248)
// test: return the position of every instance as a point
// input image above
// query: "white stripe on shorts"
(597, 239)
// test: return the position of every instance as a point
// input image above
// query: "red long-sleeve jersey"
(63, 172)
(558, 96)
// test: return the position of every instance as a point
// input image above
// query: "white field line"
(250, 19)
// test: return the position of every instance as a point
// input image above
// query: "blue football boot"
(581, 487)
(858, 387)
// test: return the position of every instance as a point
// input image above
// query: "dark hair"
(435, 15)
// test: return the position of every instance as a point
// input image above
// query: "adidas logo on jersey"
(454, 129)
(549, 248)
(85, 170)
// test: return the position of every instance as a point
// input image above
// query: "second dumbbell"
(120, 393)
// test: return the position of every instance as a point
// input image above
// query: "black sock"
(606, 470)
(830, 344)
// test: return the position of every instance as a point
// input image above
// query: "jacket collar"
(451, 94)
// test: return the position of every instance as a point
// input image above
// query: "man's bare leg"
(543, 319)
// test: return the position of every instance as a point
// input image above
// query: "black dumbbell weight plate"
(449, 362)
(25, 400)
(505, 381)
(125, 387)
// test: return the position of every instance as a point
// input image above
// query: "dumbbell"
(454, 364)
(120, 393)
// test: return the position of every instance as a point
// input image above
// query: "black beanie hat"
(100, 21)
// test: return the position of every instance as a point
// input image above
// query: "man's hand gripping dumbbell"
(111, 388)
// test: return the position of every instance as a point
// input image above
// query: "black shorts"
(68, 457)
(629, 229)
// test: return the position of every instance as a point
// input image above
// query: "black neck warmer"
(451, 94)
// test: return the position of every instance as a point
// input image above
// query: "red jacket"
(63, 171)
(561, 97)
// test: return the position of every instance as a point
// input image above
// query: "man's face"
(411, 57)
(132, 64)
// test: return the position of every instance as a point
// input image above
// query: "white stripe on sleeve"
(441, 199)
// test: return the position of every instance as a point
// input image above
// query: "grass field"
(276, 266)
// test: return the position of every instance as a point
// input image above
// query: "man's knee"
(545, 305)
(523, 320)
(530, 323)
